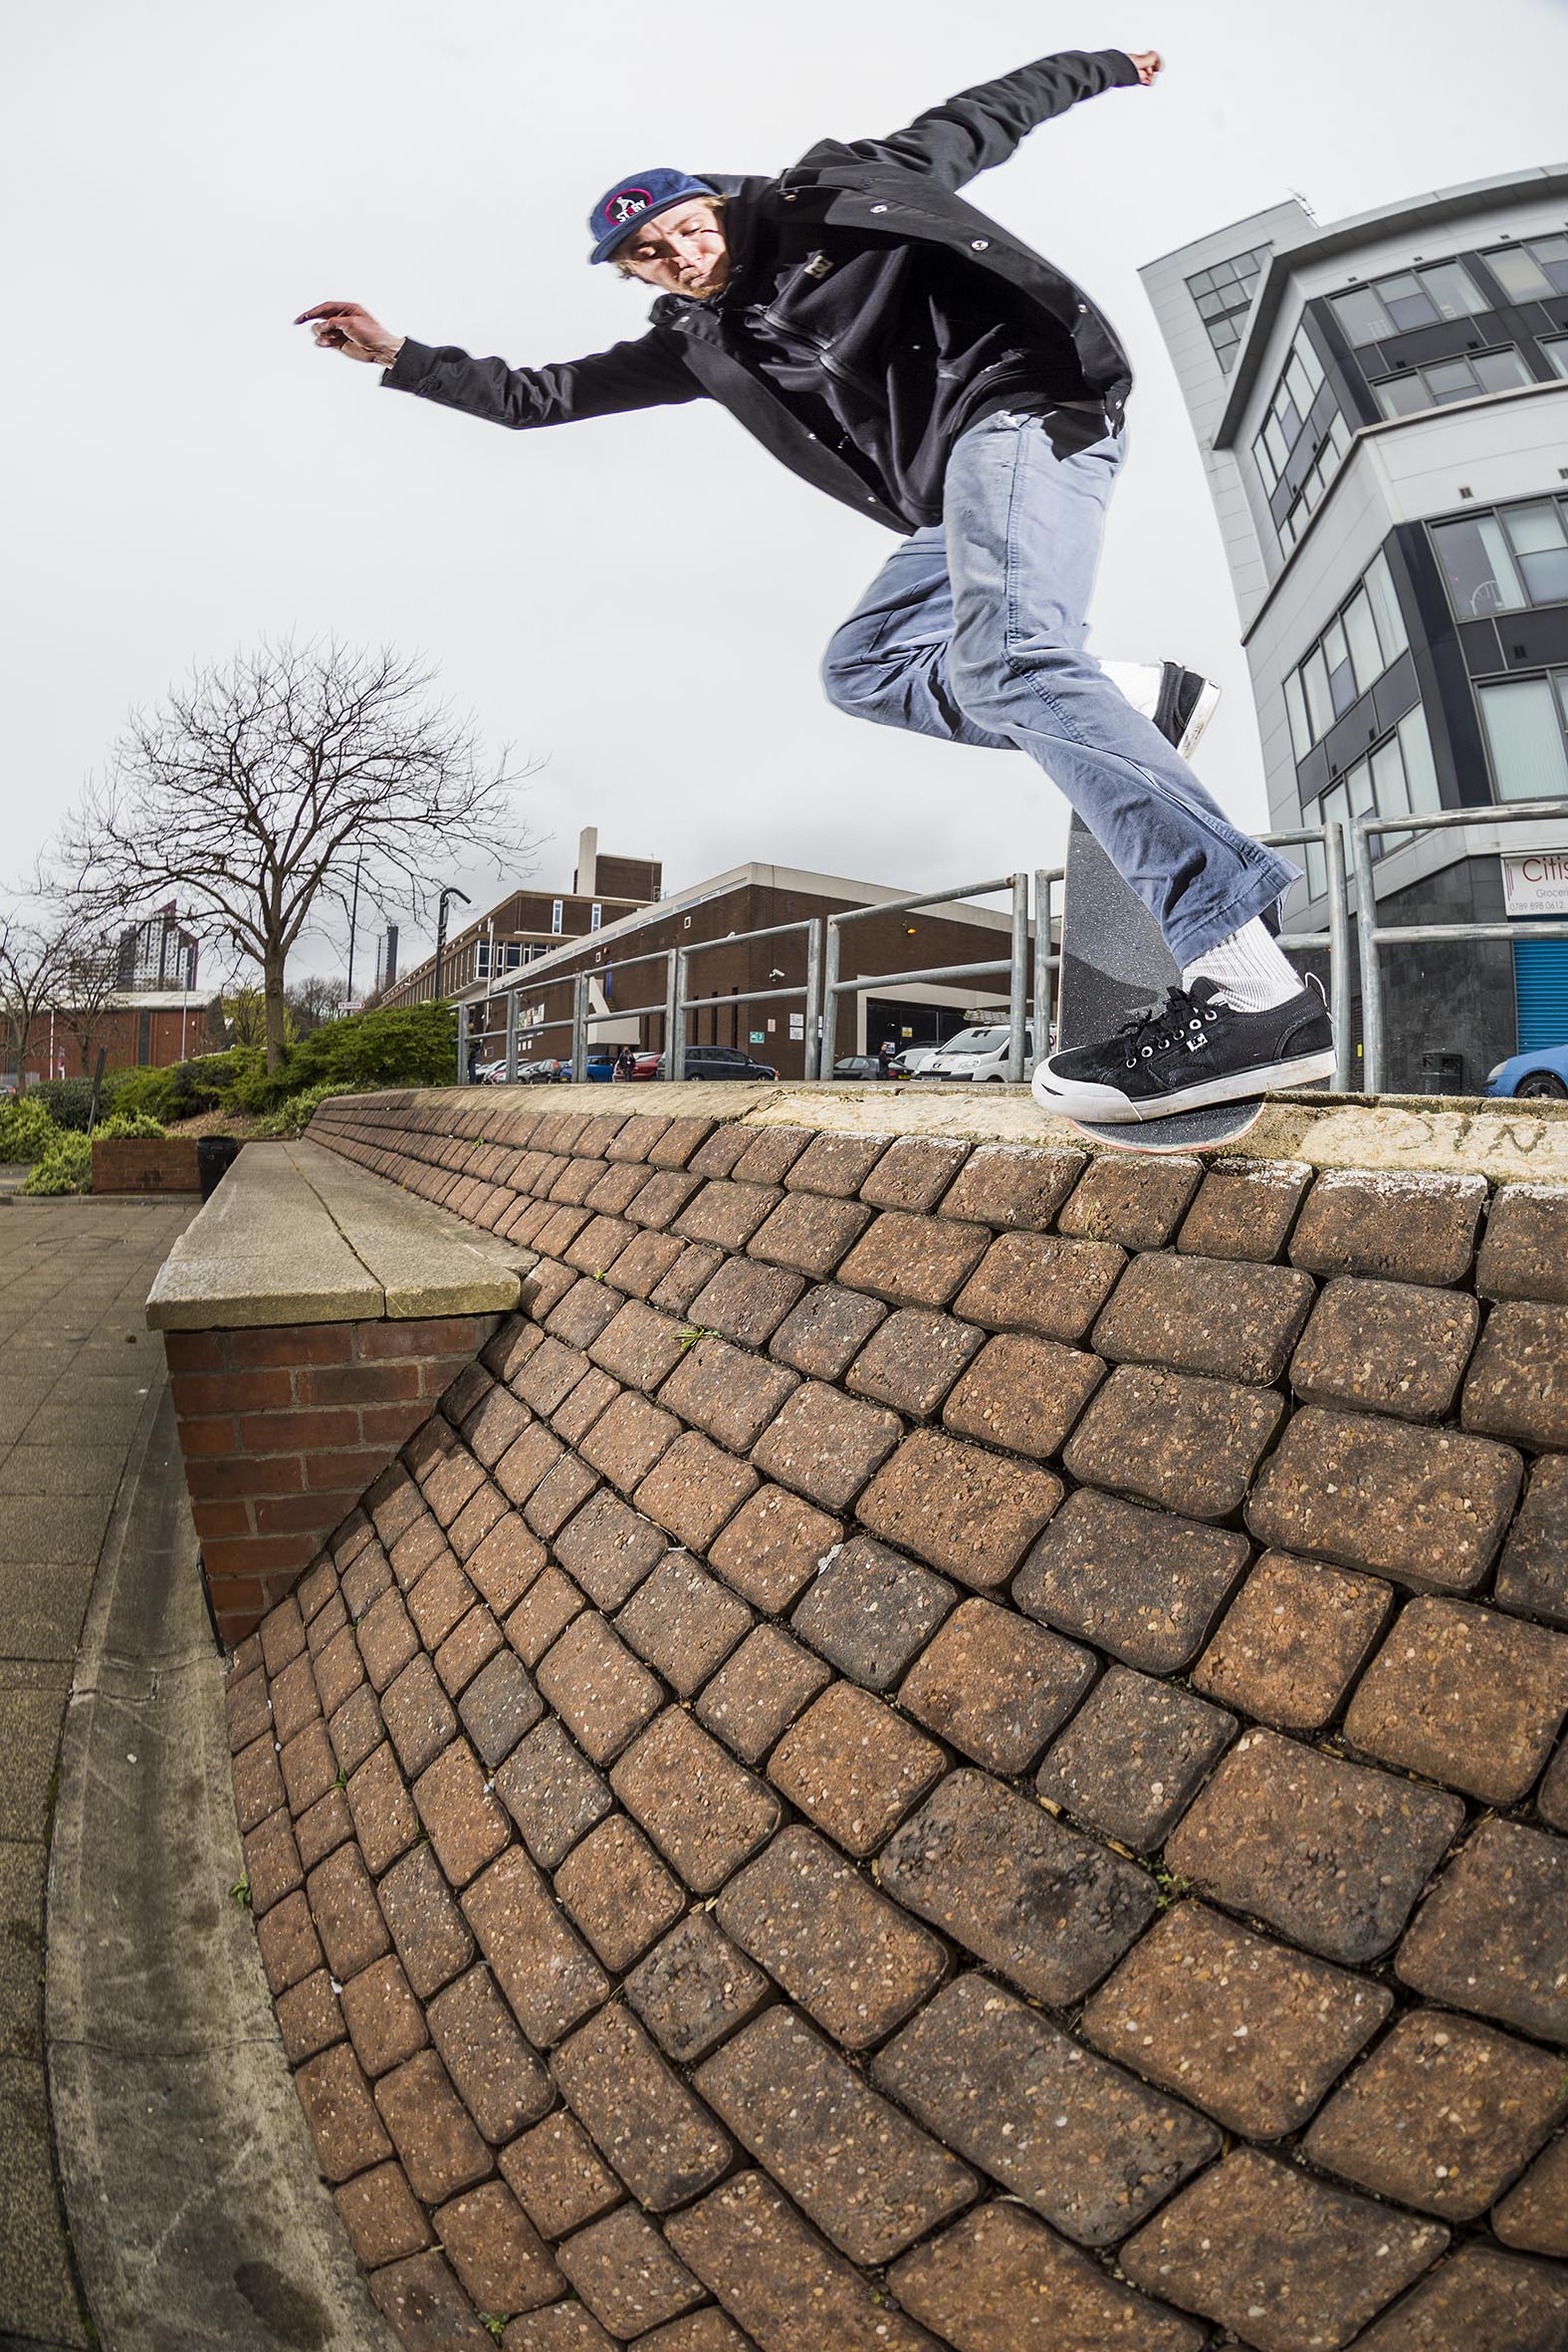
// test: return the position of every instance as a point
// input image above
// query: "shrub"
(67, 1166)
(133, 1124)
(69, 1101)
(185, 1088)
(294, 1116)
(403, 1045)
(26, 1132)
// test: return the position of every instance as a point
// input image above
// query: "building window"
(1396, 778)
(1411, 298)
(1434, 386)
(1223, 296)
(1300, 418)
(1555, 349)
(1365, 638)
(1501, 562)
(556, 911)
(1531, 272)
(596, 915)
(1525, 719)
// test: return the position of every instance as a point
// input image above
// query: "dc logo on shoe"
(627, 206)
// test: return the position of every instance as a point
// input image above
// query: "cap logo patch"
(627, 205)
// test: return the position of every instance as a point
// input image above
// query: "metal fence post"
(1338, 953)
(579, 1028)
(1043, 960)
(1371, 972)
(511, 1037)
(1017, 976)
(812, 1024)
(461, 1045)
(827, 1043)
(675, 1050)
(672, 997)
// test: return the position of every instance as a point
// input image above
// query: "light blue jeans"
(974, 631)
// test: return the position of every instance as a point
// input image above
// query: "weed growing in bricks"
(240, 1894)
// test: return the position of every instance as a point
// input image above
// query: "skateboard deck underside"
(1113, 963)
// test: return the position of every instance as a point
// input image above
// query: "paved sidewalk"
(77, 1365)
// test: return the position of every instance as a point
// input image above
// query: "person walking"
(908, 357)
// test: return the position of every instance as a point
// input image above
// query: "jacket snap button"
(979, 244)
(879, 208)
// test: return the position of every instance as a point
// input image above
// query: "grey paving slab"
(41, 1609)
(37, 2295)
(22, 1949)
(30, 1723)
(53, 1529)
(61, 1470)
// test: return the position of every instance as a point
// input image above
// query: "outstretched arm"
(646, 373)
(982, 126)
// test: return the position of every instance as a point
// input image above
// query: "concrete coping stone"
(297, 1234)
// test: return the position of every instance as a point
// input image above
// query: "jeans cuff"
(1263, 886)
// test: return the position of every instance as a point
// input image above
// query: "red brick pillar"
(282, 1430)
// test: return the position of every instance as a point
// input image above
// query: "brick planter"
(144, 1163)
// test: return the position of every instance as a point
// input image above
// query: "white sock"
(1248, 968)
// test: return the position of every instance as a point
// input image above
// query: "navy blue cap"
(619, 209)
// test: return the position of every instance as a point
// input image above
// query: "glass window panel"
(1296, 711)
(1546, 576)
(1534, 528)
(1379, 584)
(1387, 779)
(1361, 315)
(1420, 777)
(1265, 462)
(1287, 532)
(1553, 255)
(1319, 702)
(1450, 380)
(1397, 287)
(1289, 417)
(1454, 290)
(1409, 303)
(1525, 736)
(1317, 869)
(1342, 686)
(1310, 361)
(1358, 785)
(1403, 396)
(1211, 304)
(1278, 446)
(1298, 385)
(1556, 349)
(1561, 678)
(1518, 275)
(1362, 637)
(1477, 566)
(1499, 371)
(1335, 650)
(1338, 435)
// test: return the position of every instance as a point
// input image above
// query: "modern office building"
(1382, 407)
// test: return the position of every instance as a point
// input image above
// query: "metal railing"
(1336, 938)
(1371, 936)
(1015, 964)
(808, 993)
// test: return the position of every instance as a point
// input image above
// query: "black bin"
(215, 1156)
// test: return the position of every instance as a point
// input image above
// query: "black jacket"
(872, 191)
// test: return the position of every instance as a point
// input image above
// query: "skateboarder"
(902, 353)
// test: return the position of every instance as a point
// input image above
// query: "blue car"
(1540, 1076)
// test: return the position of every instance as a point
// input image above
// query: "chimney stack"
(587, 878)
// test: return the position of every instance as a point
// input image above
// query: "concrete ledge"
(295, 1234)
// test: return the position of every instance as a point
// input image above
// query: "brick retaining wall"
(144, 1163)
(941, 1746)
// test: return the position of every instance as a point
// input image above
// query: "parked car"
(978, 1054)
(708, 1061)
(858, 1066)
(491, 1073)
(1538, 1076)
(912, 1060)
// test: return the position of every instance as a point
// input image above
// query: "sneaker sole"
(1104, 1106)
(1208, 703)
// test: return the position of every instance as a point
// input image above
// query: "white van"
(978, 1054)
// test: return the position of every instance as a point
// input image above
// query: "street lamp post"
(450, 892)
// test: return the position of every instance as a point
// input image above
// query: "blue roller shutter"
(1540, 993)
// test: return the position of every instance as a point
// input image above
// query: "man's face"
(681, 251)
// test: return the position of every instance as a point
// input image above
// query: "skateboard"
(1113, 963)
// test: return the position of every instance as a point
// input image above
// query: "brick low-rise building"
(143, 1028)
(530, 924)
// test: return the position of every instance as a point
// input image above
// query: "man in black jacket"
(909, 357)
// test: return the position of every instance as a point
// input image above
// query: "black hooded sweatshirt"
(870, 316)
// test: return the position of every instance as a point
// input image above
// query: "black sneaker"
(1187, 702)
(1192, 1051)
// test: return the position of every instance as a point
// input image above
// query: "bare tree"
(255, 788)
(318, 998)
(33, 946)
(86, 981)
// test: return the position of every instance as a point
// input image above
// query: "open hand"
(347, 326)
(1148, 63)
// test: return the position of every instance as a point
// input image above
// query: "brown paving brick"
(559, 1493)
(557, 2175)
(295, 1701)
(415, 1549)
(1333, 1854)
(870, 1611)
(498, 1706)
(1426, 1506)
(598, 1245)
(1086, 2146)
(745, 1301)
(628, 1439)
(866, 2175)
(1033, 1281)
(627, 2275)
(495, 2075)
(1517, 1383)
(913, 1173)
(346, 1914)
(431, 2129)
(1552, 1799)
(496, 2252)
(618, 1892)
(1175, 1438)
(495, 1424)
(471, 1644)
(760, 1691)
(307, 1765)
(572, 1420)
(1534, 2214)
(344, 2126)
(826, 1445)
(308, 2018)
(281, 1633)
(1442, 2116)
(1214, 1315)
(388, 1639)
(1024, 1892)
(1284, 2259)
(552, 1792)
(701, 1809)
(637, 1137)
(771, 1154)
(607, 1549)
(809, 1232)
(272, 1863)
(249, 1715)
(726, 1392)
(1135, 1199)
(1463, 1696)
(601, 1691)
(550, 1604)
(381, 2215)
(996, 1686)
(546, 1970)
(659, 2139)
(467, 1828)
(1244, 1209)
(913, 1359)
(614, 1189)
(747, 2244)
(772, 1547)
(720, 1151)
(854, 1767)
(1386, 1347)
(694, 1488)
(258, 1784)
(1134, 1755)
(694, 1987)
(432, 1941)
(639, 1346)
(1477, 2297)
(385, 2023)
(683, 1623)
(339, 1670)
(914, 1261)
(418, 1714)
(836, 1164)
(506, 1564)
(368, 1576)
(1023, 1393)
(1244, 2028)
(1143, 1584)
(1532, 1575)
(329, 1617)
(1009, 1185)
(312, 1593)
(660, 1201)
(1526, 1249)
(1292, 1641)
(959, 1508)
(441, 1597)
(826, 1331)
(1408, 1228)
(850, 1958)
(999, 2280)
(688, 1275)
(549, 1375)
(587, 1307)
(1493, 1937)
(425, 2308)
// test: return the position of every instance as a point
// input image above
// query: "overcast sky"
(638, 604)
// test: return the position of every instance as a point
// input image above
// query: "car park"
(912, 1060)
(979, 1054)
(859, 1066)
(1538, 1076)
(708, 1061)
